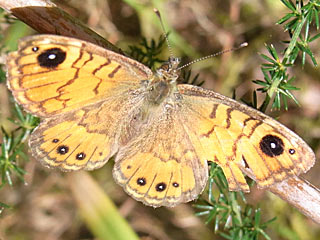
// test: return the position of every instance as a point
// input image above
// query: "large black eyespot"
(161, 187)
(63, 149)
(271, 145)
(141, 181)
(51, 58)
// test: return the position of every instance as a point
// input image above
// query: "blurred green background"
(53, 205)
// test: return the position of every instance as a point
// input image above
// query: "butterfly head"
(165, 81)
(169, 71)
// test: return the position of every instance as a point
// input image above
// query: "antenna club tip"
(245, 44)
(156, 11)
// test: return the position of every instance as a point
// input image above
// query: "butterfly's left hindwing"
(81, 139)
(243, 140)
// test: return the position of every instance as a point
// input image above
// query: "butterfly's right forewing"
(243, 140)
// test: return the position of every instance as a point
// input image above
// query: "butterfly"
(95, 104)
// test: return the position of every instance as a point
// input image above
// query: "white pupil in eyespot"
(273, 145)
(52, 56)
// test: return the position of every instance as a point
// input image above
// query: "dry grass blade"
(99, 212)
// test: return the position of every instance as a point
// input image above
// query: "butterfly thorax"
(165, 81)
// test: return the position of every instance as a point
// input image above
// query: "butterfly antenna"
(213, 55)
(164, 31)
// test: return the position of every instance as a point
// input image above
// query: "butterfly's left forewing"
(243, 140)
(82, 91)
(51, 75)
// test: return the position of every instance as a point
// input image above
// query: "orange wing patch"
(69, 146)
(81, 139)
(53, 75)
(244, 141)
(165, 165)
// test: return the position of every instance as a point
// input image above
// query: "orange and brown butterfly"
(96, 104)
